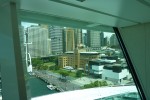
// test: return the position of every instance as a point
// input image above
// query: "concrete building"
(95, 67)
(109, 70)
(115, 73)
(78, 37)
(56, 37)
(40, 42)
(102, 39)
(93, 39)
(77, 59)
(113, 40)
(68, 39)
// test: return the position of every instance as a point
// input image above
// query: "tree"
(52, 68)
(57, 67)
(54, 59)
(44, 67)
(64, 74)
(104, 83)
(79, 73)
(95, 84)
(37, 63)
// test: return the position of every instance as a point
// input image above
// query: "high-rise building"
(78, 37)
(40, 42)
(56, 33)
(102, 39)
(113, 40)
(93, 39)
(84, 38)
(68, 39)
(106, 41)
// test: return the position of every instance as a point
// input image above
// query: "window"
(102, 66)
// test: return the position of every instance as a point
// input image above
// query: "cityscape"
(68, 59)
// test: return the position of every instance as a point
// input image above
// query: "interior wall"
(137, 41)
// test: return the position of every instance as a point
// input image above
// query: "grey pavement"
(55, 80)
(71, 83)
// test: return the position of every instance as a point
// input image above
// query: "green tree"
(54, 59)
(104, 83)
(37, 63)
(95, 84)
(57, 67)
(44, 67)
(52, 68)
(64, 74)
(79, 73)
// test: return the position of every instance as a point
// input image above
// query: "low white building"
(96, 66)
(115, 73)
(97, 69)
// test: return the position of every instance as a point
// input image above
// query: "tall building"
(68, 39)
(40, 42)
(78, 37)
(102, 39)
(84, 38)
(93, 39)
(56, 33)
(113, 40)
(76, 58)
(106, 42)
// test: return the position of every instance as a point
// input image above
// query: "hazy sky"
(107, 34)
(26, 24)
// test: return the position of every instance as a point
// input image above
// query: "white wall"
(97, 68)
(110, 74)
(137, 42)
(114, 75)
(123, 74)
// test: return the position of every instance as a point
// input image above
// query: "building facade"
(113, 40)
(76, 59)
(68, 39)
(56, 33)
(38, 37)
(94, 39)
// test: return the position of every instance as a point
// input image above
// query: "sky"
(108, 34)
(27, 24)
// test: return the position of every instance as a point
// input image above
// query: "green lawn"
(49, 64)
(72, 74)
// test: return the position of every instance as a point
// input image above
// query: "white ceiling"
(115, 13)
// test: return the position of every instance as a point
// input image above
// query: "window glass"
(61, 58)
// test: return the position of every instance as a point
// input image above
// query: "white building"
(40, 42)
(96, 66)
(115, 73)
(97, 69)
(109, 70)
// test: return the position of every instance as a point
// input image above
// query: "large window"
(61, 58)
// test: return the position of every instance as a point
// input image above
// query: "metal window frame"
(130, 65)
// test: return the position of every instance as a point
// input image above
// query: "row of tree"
(38, 63)
(95, 84)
